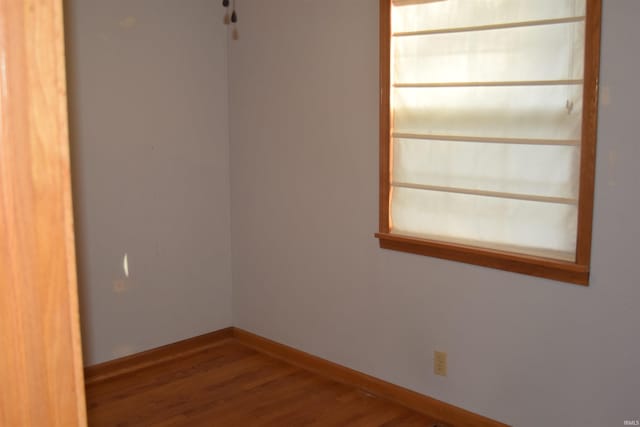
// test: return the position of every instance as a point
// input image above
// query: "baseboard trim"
(382, 389)
(418, 402)
(135, 362)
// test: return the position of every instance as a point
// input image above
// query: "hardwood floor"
(233, 385)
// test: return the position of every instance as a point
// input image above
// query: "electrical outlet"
(440, 363)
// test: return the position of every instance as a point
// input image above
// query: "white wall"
(308, 271)
(149, 138)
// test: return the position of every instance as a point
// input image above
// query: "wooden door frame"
(40, 351)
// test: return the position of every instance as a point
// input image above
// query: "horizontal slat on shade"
(502, 26)
(512, 55)
(496, 194)
(492, 84)
(545, 253)
(538, 170)
(490, 140)
(539, 113)
(459, 14)
(412, 2)
(546, 229)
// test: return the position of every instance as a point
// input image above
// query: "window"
(487, 132)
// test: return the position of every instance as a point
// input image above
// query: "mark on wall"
(119, 286)
(122, 285)
(128, 22)
(125, 264)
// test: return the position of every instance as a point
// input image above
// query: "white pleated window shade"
(486, 100)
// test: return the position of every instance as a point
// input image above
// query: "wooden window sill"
(534, 266)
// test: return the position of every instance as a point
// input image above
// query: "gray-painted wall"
(149, 131)
(308, 272)
(149, 137)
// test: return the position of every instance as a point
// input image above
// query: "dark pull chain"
(233, 19)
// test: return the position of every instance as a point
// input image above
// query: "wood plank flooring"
(233, 385)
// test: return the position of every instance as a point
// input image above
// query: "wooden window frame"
(572, 272)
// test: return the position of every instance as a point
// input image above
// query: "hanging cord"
(227, 20)
(234, 20)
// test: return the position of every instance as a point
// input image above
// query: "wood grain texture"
(385, 118)
(589, 131)
(231, 384)
(423, 404)
(130, 364)
(234, 377)
(40, 360)
(533, 266)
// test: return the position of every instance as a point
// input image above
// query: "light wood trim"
(485, 193)
(385, 118)
(504, 26)
(416, 401)
(578, 272)
(478, 28)
(486, 140)
(525, 264)
(40, 356)
(135, 362)
(411, 2)
(589, 131)
(567, 82)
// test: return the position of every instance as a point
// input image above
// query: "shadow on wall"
(76, 183)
